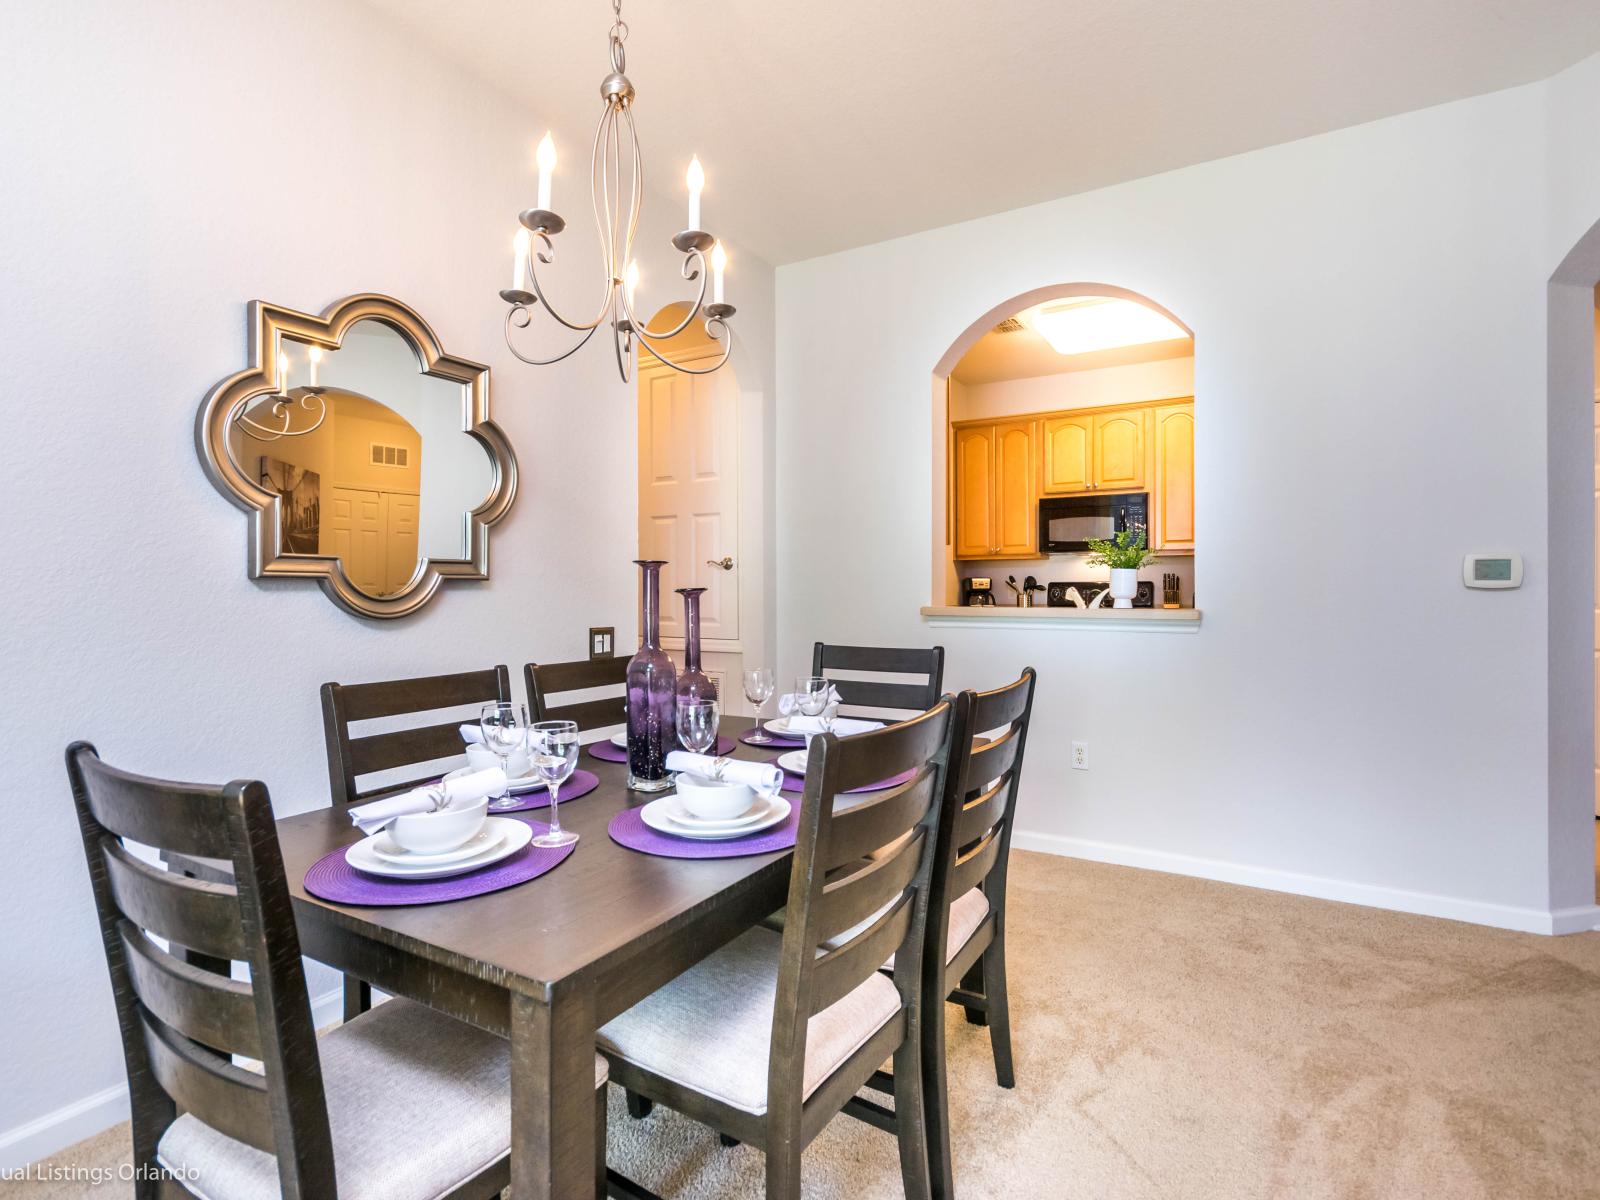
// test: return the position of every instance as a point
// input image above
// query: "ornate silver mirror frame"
(269, 324)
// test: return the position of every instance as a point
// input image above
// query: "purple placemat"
(797, 783)
(628, 829)
(606, 752)
(778, 742)
(579, 783)
(332, 878)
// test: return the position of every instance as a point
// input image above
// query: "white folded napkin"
(843, 726)
(472, 735)
(789, 702)
(766, 778)
(464, 789)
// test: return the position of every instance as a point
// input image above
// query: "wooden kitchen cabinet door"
(1119, 452)
(1016, 519)
(1174, 489)
(1068, 454)
(974, 488)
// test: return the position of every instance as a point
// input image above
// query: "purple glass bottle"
(693, 684)
(652, 706)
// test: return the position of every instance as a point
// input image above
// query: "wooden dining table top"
(603, 904)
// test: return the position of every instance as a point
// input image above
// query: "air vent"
(1009, 325)
(389, 456)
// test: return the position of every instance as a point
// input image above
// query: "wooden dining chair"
(402, 1103)
(881, 697)
(768, 1038)
(547, 682)
(965, 951)
(352, 757)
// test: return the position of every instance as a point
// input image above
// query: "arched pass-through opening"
(1574, 772)
(1093, 378)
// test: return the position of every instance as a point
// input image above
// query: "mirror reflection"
(369, 456)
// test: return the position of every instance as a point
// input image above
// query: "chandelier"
(616, 180)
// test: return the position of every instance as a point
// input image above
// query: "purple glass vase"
(652, 706)
(693, 684)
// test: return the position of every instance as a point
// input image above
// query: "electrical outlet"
(1080, 756)
(602, 642)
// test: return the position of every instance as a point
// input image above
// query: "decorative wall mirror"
(362, 453)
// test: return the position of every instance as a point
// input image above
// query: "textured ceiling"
(825, 124)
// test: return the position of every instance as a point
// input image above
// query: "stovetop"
(1056, 592)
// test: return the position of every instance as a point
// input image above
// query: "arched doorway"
(1065, 399)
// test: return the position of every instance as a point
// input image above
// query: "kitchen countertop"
(1152, 620)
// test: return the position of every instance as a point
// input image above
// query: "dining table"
(545, 963)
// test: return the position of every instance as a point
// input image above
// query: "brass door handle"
(725, 562)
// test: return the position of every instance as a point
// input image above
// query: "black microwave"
(1066, 523)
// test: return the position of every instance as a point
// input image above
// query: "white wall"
(1349, 720)
(165, 164)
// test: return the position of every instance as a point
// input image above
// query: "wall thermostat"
(1492, 570)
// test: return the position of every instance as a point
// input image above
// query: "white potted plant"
(1124, 554)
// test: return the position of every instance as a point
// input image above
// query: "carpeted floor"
(1182, 1039)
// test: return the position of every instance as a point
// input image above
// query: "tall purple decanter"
(693, 684)
(652, 706)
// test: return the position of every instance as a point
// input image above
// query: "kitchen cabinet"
(996, 491)
(1172, 498)
(1068, 453)
(1093, 452)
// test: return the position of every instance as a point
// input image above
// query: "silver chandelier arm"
(518, 316)
(716, 329)
(548, 256)
(281, 404)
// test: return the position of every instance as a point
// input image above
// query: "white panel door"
(400, 518)
(357, 525)
(689, 493)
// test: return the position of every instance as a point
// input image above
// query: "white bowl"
(481, 758)
(436, 832)
(714, 799)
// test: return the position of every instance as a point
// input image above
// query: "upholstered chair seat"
(417, 1102)
(710, 1029)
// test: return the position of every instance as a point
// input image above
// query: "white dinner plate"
(780, 727)
(619, 740)
(514, 836)
(656, 816)
(386, 848)
(793, 762)
(678, 813)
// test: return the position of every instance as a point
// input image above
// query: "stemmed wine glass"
(698, 721)
(553, 747)
(758, 687)
(812, 693)
(505, 729)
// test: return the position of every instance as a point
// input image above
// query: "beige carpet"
(1185, 1039)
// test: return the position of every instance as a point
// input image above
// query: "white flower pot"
(1124, 586)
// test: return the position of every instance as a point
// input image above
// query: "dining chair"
(352, 757)
(881, 697)
(402, 1103)
(770, 1037)
(547, 682)
(964, 956)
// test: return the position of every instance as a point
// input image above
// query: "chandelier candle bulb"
(697, 182)
(283, 371)
(316, 355)
(719, 264)
(547, 166)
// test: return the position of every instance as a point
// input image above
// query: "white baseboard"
(71, 1123)
(1427, 904)
(43, 1136)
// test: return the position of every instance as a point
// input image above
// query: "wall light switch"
(602, 642)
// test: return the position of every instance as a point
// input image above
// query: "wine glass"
(505, 729)
(812, 694)
(553, 747)
(758, 685)
(697, 724)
